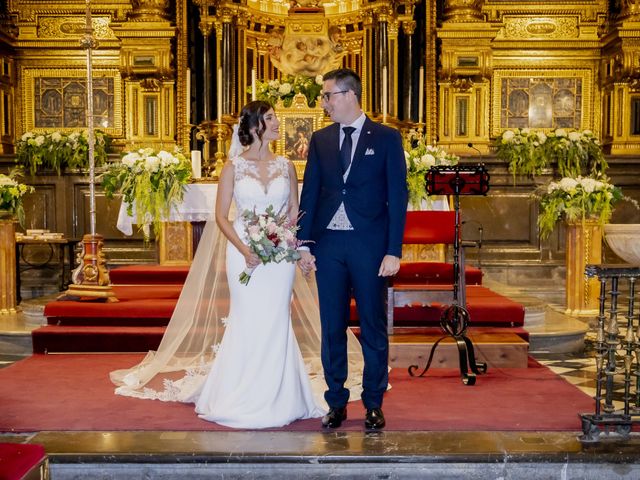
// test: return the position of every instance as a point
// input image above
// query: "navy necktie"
(345, 149)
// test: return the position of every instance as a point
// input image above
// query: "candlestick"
(253, 84)
(188, 95)
(420, 94)
(220, 94)
(196, 163)
(384, 94)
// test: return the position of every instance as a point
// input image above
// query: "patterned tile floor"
(580, 370)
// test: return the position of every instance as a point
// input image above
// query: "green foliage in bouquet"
(576, 199)
(57, 151)
(287, 87)
(11, 193)
(151, 182)
(420, 157)
(529, 151)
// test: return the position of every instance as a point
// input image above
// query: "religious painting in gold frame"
(542, 99)
(297, 123)
(55, 99)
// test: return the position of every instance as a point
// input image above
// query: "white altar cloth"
(198, 205)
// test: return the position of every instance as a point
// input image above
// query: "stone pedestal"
(8, 302)
(583, 247)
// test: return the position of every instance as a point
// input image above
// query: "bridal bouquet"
(271, 236)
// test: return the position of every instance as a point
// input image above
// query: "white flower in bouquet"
(319, 80)
(284, 89)
(420, 157)
(39, 140)
(275, 84)
(561, 132)
(56, 137)
(26, 136)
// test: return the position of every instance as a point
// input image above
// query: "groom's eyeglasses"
(326, 96)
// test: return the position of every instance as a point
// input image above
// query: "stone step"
(501, 350)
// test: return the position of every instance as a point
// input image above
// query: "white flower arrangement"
(576, 198)
(530, 151)
(287, 87)
(420, 157)
(153, 182)
(57, 150)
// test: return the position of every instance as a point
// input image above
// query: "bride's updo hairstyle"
(252, 116)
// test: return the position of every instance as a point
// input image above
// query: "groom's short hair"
(346, 79)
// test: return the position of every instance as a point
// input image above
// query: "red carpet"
(73, 392)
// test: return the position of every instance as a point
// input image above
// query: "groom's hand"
(389, 266)
(307, 262)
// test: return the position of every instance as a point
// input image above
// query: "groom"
(354, 202)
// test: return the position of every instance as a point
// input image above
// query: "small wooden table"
(66, 258)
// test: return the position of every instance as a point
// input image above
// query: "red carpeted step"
(22, 461)
(430, 273)
(148, 275)
(52, 339)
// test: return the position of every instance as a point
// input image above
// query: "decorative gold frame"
(29, 76)
(298, 115)
(586, 75)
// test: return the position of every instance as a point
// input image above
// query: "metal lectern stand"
(457, 180)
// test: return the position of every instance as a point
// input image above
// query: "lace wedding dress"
(265, 371)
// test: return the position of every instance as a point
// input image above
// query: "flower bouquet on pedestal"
(271, 236)
(150, 182)
(11, 193)
(575, 200)
(420, 157)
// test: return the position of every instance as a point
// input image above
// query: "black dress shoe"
(334, 417)
(374, 419)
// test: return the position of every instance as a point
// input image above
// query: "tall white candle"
(420, 94)
(188, 95)
(385, 92)
(220, 94)
(196, 163)
(253, 84)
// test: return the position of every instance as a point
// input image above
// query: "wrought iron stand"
(617, 342)
(457, 180)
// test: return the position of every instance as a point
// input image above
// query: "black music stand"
(457, 180)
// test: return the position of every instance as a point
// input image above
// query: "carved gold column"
(8, 299)
(408, 28)
(462, 10)
(583, 247)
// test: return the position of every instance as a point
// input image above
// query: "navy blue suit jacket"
(374, 194)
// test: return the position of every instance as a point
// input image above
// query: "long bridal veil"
(177, 370)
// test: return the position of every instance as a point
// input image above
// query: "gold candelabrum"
(218, 131)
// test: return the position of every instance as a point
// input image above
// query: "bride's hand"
(251, 259)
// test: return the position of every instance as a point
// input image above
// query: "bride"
(248, 356)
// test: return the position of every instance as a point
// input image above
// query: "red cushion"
(485, 307)
(433, 273)
(18, 460)
(429, 227)
(148, 274)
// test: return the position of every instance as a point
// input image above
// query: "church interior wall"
(486, 64)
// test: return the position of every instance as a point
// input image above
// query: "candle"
(420, 94)
(220, 94)
(196, 163)
(253, 84)
(188, 95)
(384, 94)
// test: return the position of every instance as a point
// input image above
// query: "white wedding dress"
(244, 369)
(258, 379)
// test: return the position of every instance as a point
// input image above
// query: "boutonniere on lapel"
(370, 151)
